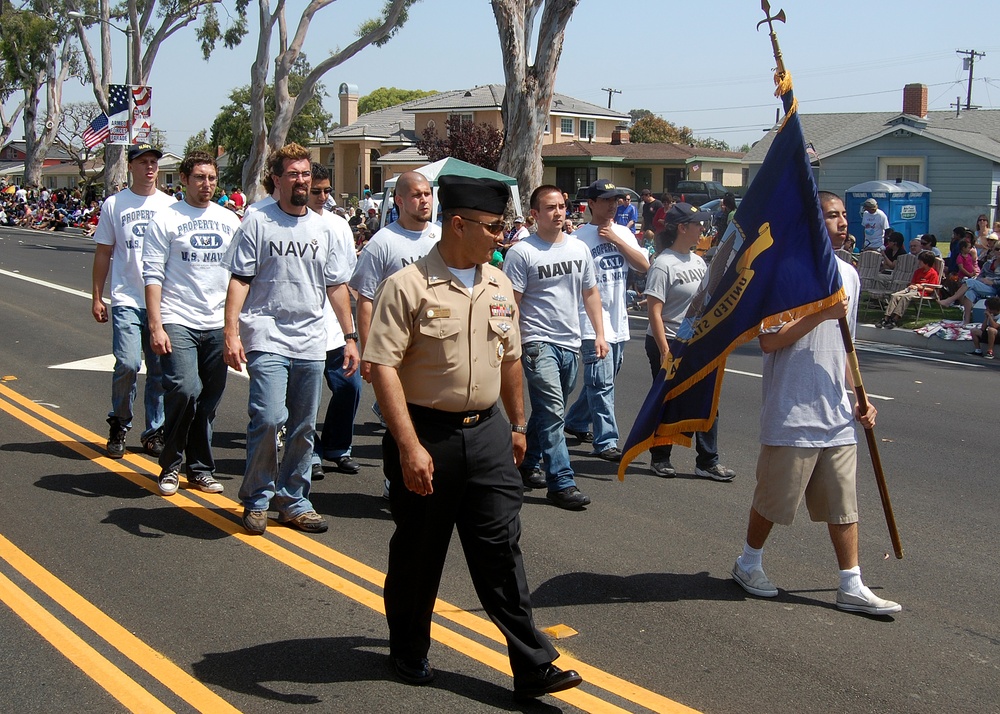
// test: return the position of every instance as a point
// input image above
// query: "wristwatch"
(351, 336)
(519, 428)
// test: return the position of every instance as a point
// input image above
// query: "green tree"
(710, 143)
(269, 134)
(199, 142)
(654, 130)
(153, 22)
(385, 97)
(231, 128)
(638, 114)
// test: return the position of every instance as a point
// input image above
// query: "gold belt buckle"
(470, 420)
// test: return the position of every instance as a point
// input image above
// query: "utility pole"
(610, 92)
(968, 62)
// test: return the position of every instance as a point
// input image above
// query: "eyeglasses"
(496, 227)
(296, 175)
(318, 191)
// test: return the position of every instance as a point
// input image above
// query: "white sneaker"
(168, 482)
(754, 582)
(867, 602)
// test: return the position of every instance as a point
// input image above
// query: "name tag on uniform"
(439, 312)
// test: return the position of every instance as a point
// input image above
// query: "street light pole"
(127, 31)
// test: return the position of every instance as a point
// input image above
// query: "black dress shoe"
(532, 478)
(347, 465)
(569, 498)
(413, 671)
(586, 437)
(317, 472)
(544, 679)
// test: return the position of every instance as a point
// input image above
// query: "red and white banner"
(142, 122)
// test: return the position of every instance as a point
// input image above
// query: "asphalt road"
(117, 599)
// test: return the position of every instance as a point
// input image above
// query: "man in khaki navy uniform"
(443, 345)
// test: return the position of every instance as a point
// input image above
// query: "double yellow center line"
(223, 513)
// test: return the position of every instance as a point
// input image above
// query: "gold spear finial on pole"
(769, 19)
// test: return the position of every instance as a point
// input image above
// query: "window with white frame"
(566, 126)
(588, 128)
(902, 168)
(464, 117)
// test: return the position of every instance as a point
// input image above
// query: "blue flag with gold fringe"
(774, 264)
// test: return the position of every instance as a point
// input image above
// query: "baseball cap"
(138, 150)
(685, 213)
(870, 203)
(604, 189)
(518, 219)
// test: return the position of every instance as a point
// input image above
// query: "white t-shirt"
(292, 260)
(551, 278)
(123, 225)
(257, 205)
(344, 240)
(805, 384)
(611, 270)
(674, 279)
(183, 254)
(390, 249)
(874, 225)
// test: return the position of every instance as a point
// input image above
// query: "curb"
(908, 338)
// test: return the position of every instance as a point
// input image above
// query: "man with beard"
(283, 261)
(185, 296)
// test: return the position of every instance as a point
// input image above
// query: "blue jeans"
(283, 391)
(706, 443)
(596, 402)
(550, 372)
(194, 377)
(338, 426)
(129, 343)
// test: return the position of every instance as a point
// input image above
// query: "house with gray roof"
(374, 147)
(954, 153)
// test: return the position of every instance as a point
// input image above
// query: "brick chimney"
(915, 100)
(348, 94)
(620, 135)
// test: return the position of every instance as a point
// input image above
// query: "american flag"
(97, 132)
(118, 95)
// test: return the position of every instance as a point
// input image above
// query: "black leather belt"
(459, 419)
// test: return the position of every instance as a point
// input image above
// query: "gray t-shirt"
(674, 279)
(389, 250)
(292, 260)
(805, 384)
(550, 278)
(183, 254)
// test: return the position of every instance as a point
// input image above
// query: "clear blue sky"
(706, 68)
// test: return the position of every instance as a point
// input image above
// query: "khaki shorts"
(825, 476)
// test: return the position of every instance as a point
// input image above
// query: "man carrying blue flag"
(808, 443)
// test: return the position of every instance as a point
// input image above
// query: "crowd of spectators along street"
(47, 210)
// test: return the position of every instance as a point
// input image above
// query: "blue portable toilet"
(906, 203)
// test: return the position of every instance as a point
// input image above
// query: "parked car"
(699, 192)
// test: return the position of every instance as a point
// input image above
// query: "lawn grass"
(930, 312)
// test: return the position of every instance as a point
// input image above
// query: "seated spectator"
(988, 328)
(915, 246)
(996, 231)
(358, 217)
(957, 236)
(892, 250)
(568, 226)
(850, 243)
(982, 234)
(975, 289)
(921, 284)
(928, 241)
(968, 266)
